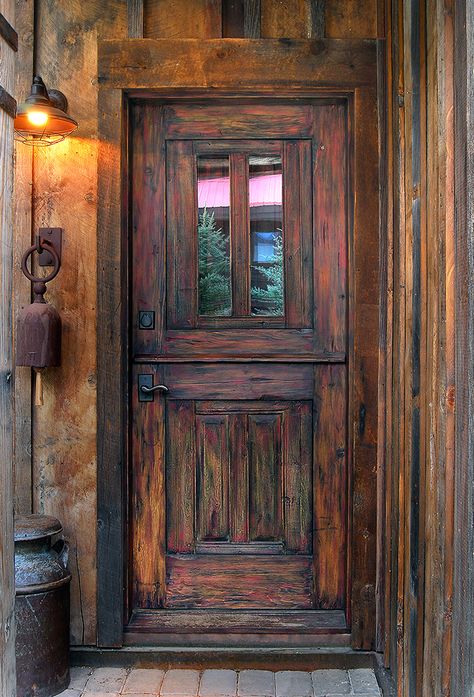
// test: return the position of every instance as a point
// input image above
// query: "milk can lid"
(35, 527)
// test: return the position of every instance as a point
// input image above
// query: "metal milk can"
(41, 607)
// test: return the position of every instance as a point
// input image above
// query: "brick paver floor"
(150, 682)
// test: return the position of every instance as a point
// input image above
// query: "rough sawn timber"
(190, 63)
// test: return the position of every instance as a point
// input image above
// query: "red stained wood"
(256, 433)
(148, 500)
(239, 235)
(244, 121)
(239, 381)
(242, 343)
(330, 486)
(148, 223)
(239, 481)
(298, 476)
(212, 485)
(265, 477)
(330, 229)
(297, 233)
(181, 234)
(239, 582)
(180, 476)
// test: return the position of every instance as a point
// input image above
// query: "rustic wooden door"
(239, 481)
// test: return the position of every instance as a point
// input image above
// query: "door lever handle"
(147, 390)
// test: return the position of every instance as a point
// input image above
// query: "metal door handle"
(147, 390)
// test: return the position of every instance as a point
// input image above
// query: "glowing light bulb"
(37, 118)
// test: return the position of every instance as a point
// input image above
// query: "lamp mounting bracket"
(54, 236)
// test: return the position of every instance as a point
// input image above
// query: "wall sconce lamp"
(43, 119)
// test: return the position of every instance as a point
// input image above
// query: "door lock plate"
(146, 381)
(146, 319)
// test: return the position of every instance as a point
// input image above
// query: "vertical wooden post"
(7, 580)
(22, 235)
(135, 19)
(463, 602)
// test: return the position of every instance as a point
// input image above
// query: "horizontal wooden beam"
(236, 64)
(7, 102)
(8, 33)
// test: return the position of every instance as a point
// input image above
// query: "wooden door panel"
(239, 583)
(212, 477)
(316, 269)
(239, 381)
(249, 121)
(256, 455)
(240, 470)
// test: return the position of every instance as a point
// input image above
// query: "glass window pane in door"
(213, 229)
(266, 235)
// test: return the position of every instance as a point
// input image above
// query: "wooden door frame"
(207, 68)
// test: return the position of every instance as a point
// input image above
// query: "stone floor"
(145, 682)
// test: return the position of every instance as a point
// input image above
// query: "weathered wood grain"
(263, 381)
(297, 234)
(22, 236)
(271, 621)
(135, 11)
(330, 487)
(299, 19)
(8, 33)
(463, 635)
(112, 385)
(212, 477)
(7, 565)
(298, 474)
(7, 103)
(331, 229)
(351, 18)
(241, 18)
(238, 582)
(181, 224)
(180, 475)
(181, 19)
(148, 190)
(269, 64)
(364, 293)
(245, 120)
(265, 477)
(66, 181)
(239, 236)
(148, 498)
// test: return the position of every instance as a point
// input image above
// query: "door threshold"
(268, 658)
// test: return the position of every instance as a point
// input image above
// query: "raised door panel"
(239, 497)
(251, 483)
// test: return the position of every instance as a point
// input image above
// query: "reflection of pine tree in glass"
(214, 268)
(271, 297)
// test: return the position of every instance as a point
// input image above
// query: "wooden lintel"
(8, 33)
(7, 102)
(214, 63)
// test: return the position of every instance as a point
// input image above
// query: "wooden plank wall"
(7, 583)
(419, 439)
(462, 682)
(63, 479)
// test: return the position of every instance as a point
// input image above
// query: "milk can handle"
(61, 547)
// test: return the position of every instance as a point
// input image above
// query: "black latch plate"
(147, 381)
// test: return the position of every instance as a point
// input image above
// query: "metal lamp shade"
(57, 125)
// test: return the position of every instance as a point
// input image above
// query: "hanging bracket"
(54, 236)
